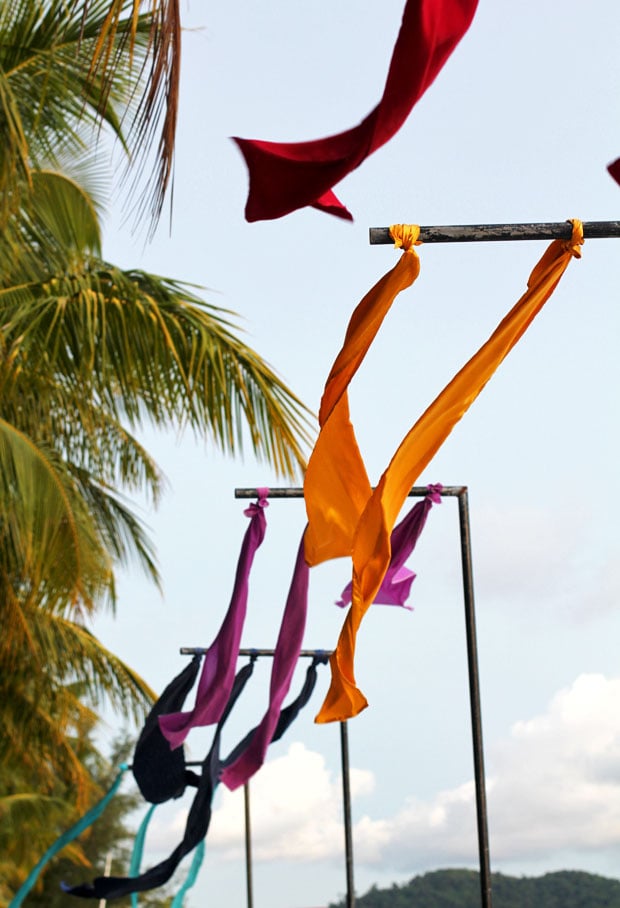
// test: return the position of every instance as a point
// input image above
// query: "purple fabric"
(396, 585)
(285, 658)
(218, 670)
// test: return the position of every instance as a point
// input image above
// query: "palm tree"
(88, 354)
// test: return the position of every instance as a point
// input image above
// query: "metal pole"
(248, 845)
(474, 700)
(477, 233)
(298, 492)
(106, 872)
(346, 804)
(303, 654)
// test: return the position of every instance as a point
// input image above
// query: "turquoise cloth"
(138, 850)
(68, 836)
(196, 864)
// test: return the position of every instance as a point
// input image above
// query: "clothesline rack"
(482, 233)
(461, 494)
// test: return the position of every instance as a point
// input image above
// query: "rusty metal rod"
(482, 233)
(474, 702)
(416, 492)
(346, 805)
(304, 653)
(248, 846)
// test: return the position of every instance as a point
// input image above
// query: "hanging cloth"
(196, 827)
(136, 860)
(199, 816)
(371, 548)
(336, 485)
(138, 849)
(197, 859)
(218, 670)
(159, 771)
(285, 658)
(285, 176)
(396, 585)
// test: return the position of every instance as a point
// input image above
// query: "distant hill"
(461, 889)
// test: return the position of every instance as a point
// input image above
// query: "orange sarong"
(370, 547)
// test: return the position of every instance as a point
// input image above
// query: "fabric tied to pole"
(371, 548)
(199, 816)
(218, 670)
(285, 176)
(396, 585)
(285, 657)
(83, 823)
(159, 771)
(336, 485)
(196, 826)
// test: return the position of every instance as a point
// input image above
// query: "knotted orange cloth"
(336, 486)
(371, 542)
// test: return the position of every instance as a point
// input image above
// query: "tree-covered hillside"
(461, 889)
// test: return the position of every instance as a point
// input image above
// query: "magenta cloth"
(614, 170)
(396, 585)
(285, 658)
(285, 176)
(218, 670)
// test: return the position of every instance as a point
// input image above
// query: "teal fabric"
(138, 850)
(68, 836)
(196, 864)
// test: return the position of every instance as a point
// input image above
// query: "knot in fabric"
(576, 241)
(261, 502)
(405, 236)
(434, 492)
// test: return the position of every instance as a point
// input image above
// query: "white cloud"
(553, 789)
(295, 809)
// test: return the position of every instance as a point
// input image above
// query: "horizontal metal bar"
(478, 233)
(305, 653)
(416, 492)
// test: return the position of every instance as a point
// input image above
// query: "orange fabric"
(371, 548)
(336, 486)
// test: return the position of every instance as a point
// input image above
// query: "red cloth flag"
(285, 176)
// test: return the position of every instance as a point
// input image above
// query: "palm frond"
(55, 225)
(66, 67)
(151, 349)
(156, 114)
(49, 545)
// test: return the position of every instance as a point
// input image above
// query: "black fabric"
(199, 816)
(159, 771)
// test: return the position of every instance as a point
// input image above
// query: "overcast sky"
(519, 126)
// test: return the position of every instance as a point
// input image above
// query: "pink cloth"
(218, 670)
(285, 659)
(285, 176)
(396, 585)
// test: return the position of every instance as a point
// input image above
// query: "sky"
(518, 127)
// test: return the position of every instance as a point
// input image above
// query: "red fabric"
(614, 170)
(285, 176)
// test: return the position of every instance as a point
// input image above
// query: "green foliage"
(89, 353)
(110, 838)
(461, 889)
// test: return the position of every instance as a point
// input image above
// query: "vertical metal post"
(248, 845)
(474, 700)
(346, 804)
(106, 872)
